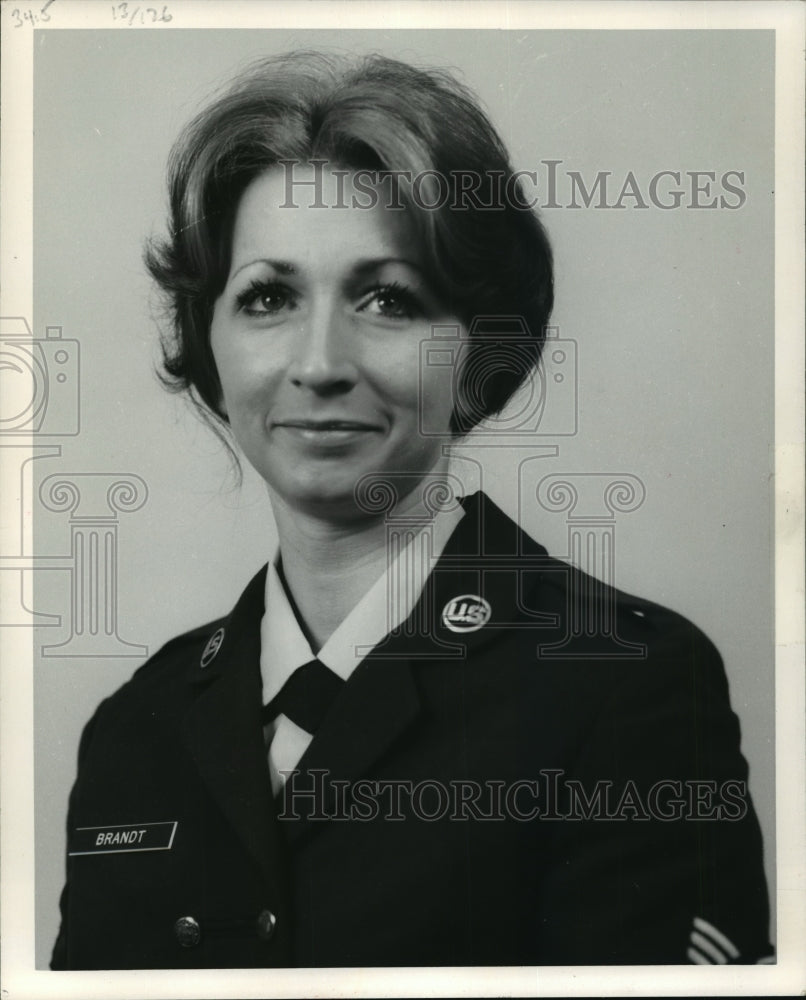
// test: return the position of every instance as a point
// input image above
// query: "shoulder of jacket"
(167, 666)
(160, 680)
(636, 619)
(181, 648)
(645, 615)
(634, 614)
(166, 672)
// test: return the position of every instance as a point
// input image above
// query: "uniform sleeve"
(660, 860)
(60, 957)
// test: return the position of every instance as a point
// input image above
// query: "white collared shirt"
(388, 603)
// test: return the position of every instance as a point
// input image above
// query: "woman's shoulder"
(164, 672)
(182, 661)
(583, 604)
(181, 649)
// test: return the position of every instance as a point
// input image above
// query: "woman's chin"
(327, 500)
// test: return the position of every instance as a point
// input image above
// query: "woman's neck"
(329, 566)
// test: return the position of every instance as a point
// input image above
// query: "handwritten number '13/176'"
(145, 15)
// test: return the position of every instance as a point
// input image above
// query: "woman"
(397, 749)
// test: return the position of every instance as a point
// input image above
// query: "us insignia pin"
(211, 649)
(467, 613)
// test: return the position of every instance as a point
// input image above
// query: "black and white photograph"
(402, 461)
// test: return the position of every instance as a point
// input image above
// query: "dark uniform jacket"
(562, 785)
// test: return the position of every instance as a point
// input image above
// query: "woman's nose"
(323, 360)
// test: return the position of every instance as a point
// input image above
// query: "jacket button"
(187, 931)
(266, 922)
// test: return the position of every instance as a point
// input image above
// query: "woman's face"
(316, 337)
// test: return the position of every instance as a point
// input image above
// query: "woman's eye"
(266, 299)
(392, 302)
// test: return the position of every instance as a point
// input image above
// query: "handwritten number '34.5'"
(19, 17)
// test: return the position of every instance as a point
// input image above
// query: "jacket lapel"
(224, 733)
(377, 706)
(487, 556)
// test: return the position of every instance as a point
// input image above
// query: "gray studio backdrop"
(668, 310)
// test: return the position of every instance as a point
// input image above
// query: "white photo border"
(20, 977)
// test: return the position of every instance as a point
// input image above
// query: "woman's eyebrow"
(370, 264)
(360, 268)
(280, 266)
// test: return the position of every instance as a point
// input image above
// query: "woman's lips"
(334, 431)
(334, 423)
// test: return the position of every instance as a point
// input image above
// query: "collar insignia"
(214, 643)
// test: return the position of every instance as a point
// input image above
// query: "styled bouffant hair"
(485, 249)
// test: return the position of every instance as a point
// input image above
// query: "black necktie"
(306, 696)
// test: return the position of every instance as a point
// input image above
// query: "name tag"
(120, 837)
